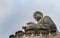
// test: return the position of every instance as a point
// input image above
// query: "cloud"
(6, 9)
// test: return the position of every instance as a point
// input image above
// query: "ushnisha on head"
(37, 15)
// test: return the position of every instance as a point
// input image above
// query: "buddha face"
(37, 15)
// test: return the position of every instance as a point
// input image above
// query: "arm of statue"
(48, 20)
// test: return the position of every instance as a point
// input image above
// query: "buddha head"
(37, 15)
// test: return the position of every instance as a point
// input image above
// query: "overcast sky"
(16, 13)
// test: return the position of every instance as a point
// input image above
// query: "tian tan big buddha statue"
(44, 28)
